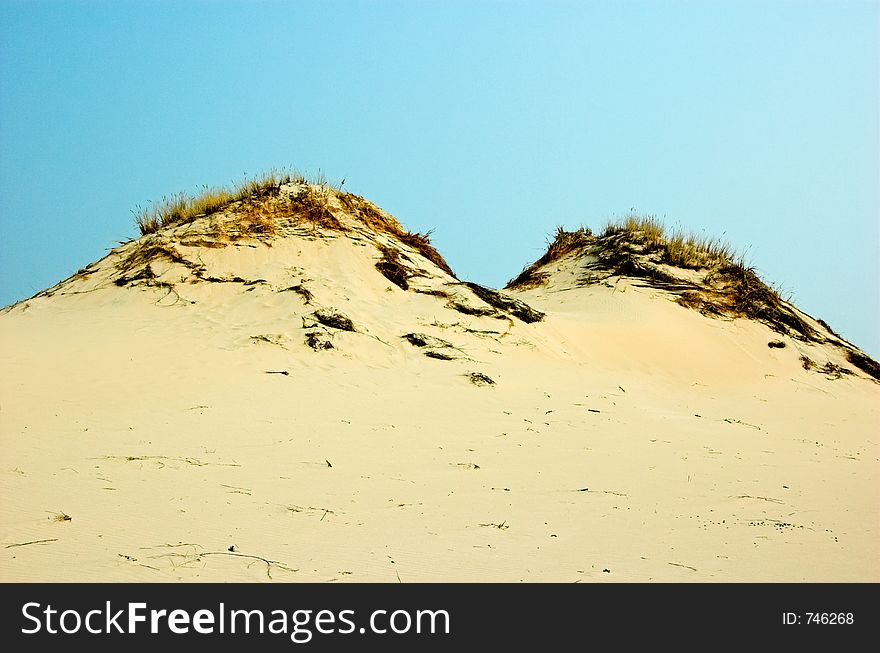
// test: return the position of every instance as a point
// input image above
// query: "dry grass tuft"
(311, 205)
(638, 247)
(334, 319)
(149, 251)
(182, 208)
(738, 291)
(392, 269)
(696, 252)
(476, 311)
(382, 222)
(439, 355)
(648, 229)
(258, 205)
(833, 370)
(434, 292)
(480, 379)
(506, 303)
(864, 362)
(564, 242)
(302, 291)
(319, 340)
(424, 340)
(260, 214)
(679, 249)
(422, 244)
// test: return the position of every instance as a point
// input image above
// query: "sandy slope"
(625, 438)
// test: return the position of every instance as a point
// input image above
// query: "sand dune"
(248, 396)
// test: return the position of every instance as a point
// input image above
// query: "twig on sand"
(617, 494)
(810, 385)
(135, 561)
(158, 459)
(269, 563)
(196, 557)
(736, 421)
(675, 564)
(9, 546)
(749, 496)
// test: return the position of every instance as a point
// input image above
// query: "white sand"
(626, 438)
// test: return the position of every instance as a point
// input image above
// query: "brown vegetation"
(638, 247)
(383, 222)
(334, 319)
(478, 378)
(302, 291)
(564, 242)
(256, 207)
(424, 340)
(506, 303)
(392, 269)
(182, 208)
(865, 363)
(319, 340)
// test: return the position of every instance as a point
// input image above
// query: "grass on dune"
(182, 207)
(263, 205)
(638, 246)
(680, 248)
(378, 220)
(647, 235)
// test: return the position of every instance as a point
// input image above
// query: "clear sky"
(488, 122)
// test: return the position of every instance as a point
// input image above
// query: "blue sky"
(488, 122)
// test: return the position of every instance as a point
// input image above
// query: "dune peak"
(696, 272)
